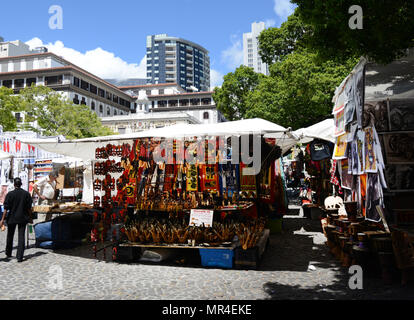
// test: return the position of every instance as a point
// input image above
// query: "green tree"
(388, 28)
(299, 90)
(231, 98)
(56, 115)
(9, 103)
(277, 43)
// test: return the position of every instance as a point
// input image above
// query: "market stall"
(214, 203)
(373, 142)
(309, 165)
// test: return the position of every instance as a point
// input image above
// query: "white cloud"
(270, 23)
(99, 62)
(216, 79)
(232, 57)
(283, 8)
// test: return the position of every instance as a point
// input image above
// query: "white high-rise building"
(251, 57)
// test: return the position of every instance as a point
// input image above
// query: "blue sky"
(108, 38)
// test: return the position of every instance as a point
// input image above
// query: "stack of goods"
(179, 232)
(357, 241)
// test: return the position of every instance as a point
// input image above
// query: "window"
(83, 101)
(115, 113)
(93, 106)
(50, 81)
(18, 117)
(195, 102)
(108, 111)
(162, 104)
(30, 81)
(19, 83)
(101, 108)
(93, 89)
(84, 85)
(206, 101)
(206, 116)
(108, 96)
(161, 91)
(115, 98)
(76, 82)
(76, 99)
(148, 92)
(101, 93)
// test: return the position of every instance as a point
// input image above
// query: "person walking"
(17, 213)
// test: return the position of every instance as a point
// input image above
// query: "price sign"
(200, 217)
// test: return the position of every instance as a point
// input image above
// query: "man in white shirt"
(45, 188)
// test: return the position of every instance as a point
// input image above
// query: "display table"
(212, 256)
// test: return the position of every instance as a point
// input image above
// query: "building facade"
(74, 83)
(251, 56)
(170, 97)
(145, 121)
(175, 60)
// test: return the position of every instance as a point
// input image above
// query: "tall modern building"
(175, 60)
(251, 57)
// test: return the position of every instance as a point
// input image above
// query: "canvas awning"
(4, 155)
(85, 148)
(323, 130)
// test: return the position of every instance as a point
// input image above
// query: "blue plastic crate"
(217, 258)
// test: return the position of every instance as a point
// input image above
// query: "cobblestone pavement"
(296, 265)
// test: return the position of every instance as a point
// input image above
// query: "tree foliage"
(299, 90)
(388, 28)
(231, 98)
(276, 43)
(9, 103)
(55, 115)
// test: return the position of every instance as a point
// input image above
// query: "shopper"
(17, 213)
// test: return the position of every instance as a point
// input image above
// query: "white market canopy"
(323, 130)
(4, 155)
(85, 148)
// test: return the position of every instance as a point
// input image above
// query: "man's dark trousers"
(11, 228)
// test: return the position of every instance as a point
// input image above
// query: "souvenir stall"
(310, 166)
(211, 204)
(370, 233)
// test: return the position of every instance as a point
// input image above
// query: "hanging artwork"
(340, 122)
(360, 138)
(399, 147)
(373, 197)
(401, 115)
(376, 113)
(346, 178)
(340, 147)
(369, 151)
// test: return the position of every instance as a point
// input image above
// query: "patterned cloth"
(334, 178)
